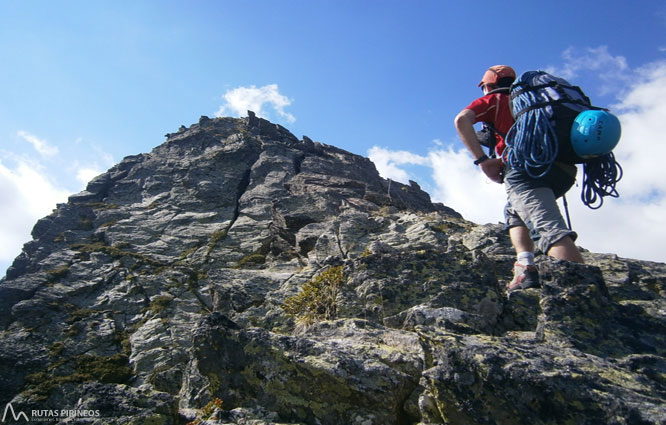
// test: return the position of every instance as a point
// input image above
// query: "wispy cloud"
(84, 171)
(31, 186)
(631, 226)
(591, 59)
(26, 195)
(84, 175)
(457, 182)
(40, 145)
(388, 162)
(256, 99)
(642, 113)
(460, 185)
(611, 70)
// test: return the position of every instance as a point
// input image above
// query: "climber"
(531, 210)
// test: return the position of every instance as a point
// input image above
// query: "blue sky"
(85, 84)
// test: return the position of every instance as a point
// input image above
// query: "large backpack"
(545, 107)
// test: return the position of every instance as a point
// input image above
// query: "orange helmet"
(494, 73)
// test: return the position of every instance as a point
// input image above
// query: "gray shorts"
(532, 203)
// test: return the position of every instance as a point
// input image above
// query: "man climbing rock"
(531, 204)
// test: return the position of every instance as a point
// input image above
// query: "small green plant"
(109, 223)
(251, 259)
(318, 299)
(441, 227)
(384, 211)
(211, 407)
(109, 369)
(217, 236)
(56, 349)
(187, 253)
(79, 314)
(208, 411)
(57, 274)
(117, 251)
(153, 205)
(85, 223)
(102, 206)
(215, 384)
(72, 330)
(159, 303)
(113, 369)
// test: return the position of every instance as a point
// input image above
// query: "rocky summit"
(239, 275)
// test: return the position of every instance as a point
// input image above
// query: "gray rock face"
(238, 275)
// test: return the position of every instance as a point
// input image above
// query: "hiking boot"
(523, 277)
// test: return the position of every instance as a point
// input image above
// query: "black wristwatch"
(480, 160)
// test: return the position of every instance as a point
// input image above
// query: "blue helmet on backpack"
(595, 133)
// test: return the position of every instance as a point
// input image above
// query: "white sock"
(526, 258)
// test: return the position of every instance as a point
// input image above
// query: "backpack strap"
(506, 90)
(493, 134)
(558, 102)
(522, 87)
(493, 129)
(489, 132)
(552, 103)
(554, 84)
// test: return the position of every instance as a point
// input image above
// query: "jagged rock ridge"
(158, 294)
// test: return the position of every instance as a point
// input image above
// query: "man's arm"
(464, 123)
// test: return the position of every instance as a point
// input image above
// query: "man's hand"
(464, 123)
(493, 169)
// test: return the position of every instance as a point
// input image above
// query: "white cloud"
(591, 59)
(84, 175)
(461, 186)
(26, 195)
(642, 112)
(30, 189)
(40, 145)
(243, 99)
(388, 161)
(458, 183)
(612, 71)
(86, 170)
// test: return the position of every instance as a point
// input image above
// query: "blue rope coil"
(600, 175)
(532, 143)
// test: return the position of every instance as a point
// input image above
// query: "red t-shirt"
(494, 109)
